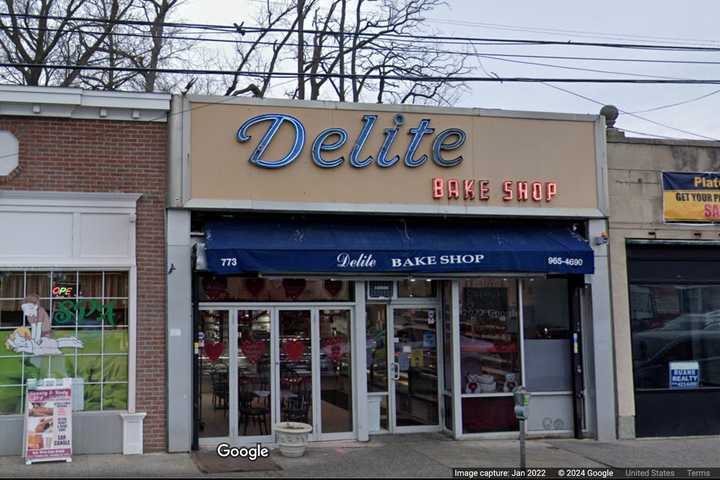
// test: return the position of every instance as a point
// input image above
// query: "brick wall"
(112, 156)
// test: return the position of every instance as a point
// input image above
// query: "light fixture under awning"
(282, 246)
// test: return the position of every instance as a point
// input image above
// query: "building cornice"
(29, 198)
(668, 142)
(77, 103)
(394, 108)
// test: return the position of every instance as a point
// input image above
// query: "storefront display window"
(65, 324)
(546, 323)
(490, 362)
(489, 336)
(675, 336)
(218, 288)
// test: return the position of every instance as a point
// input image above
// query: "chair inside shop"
(254, 405)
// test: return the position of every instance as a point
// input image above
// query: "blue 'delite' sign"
(335, 138)
(684, 375)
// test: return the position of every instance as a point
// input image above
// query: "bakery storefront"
(371, 269)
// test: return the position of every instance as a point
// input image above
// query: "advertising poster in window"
(48, 423)
(691, 197)
(684, 375)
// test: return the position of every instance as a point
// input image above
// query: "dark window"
(675, 323)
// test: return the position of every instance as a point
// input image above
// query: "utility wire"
(415, 78)
(201, 39)
(650, 135)
(584, 97)
(579, 33)
(413, 37)
(684, 102)
(582, 69)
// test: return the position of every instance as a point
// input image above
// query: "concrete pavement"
(421, 455)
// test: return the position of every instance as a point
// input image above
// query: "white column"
(602, 336)
(360, 364)
(179, 331)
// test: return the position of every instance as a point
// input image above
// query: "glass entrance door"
(234, 393)
(259, 365)
(414, 368)
(254, 379)
(295, 370)
(315, 370)
(335, 372)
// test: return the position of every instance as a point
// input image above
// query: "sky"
(629, 21)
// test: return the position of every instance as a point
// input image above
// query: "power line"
(662, 107)
(413, 37)
(597, 59)
(651, 135)
(407, 77)
(687, 132)
(648, 38)
(582, 69)
(200, 38)
(580, 33)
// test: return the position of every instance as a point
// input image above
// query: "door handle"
(395, 371)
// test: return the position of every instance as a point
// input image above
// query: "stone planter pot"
(292, 437)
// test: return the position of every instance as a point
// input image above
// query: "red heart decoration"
(472, 387)
(253, 350)
(335, 353)
(333, 287)
(294, 349)
(335, 347)
(213, 350)
(255, 286)
(215, 287)
(294, 287)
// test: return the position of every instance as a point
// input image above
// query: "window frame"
(663, 350)
(129, 327)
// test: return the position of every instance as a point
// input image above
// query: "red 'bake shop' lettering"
(520, 190)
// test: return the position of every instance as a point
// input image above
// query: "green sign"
(86, 309)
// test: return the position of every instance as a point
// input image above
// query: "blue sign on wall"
(684, 375)
(333, 139)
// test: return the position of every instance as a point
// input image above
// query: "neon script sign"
(59, 291)
(87, 310)
(332, 139)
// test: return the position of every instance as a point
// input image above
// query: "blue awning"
(282, 246)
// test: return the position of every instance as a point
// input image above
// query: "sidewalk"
(422, 455)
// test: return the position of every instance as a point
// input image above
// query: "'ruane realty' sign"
(684, 375)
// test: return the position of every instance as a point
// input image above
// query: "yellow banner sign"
(691, 197)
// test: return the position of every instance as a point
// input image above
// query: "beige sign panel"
(512, 163)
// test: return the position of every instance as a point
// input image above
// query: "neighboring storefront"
(82, 291)
(370, 269)
(665, 263)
